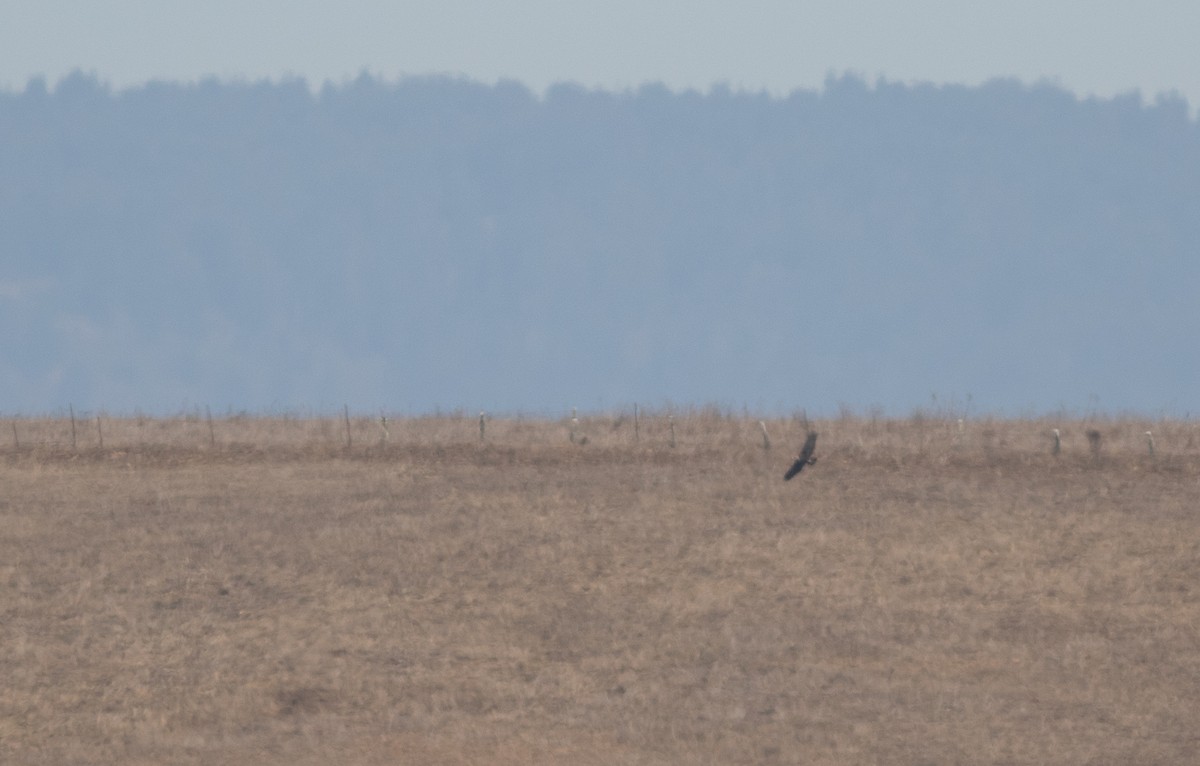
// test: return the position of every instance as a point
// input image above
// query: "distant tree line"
(437, 241)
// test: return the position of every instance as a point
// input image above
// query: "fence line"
(684, 429)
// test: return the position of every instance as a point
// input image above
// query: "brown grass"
(924, 594)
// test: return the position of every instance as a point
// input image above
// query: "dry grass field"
(928, 593)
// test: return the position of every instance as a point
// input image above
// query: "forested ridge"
(438, 242)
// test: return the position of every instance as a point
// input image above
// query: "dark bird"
(805, 457)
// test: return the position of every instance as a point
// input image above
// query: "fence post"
(346, 412)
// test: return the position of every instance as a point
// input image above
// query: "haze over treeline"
(441, 243)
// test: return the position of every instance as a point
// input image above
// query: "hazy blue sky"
(1089, 47)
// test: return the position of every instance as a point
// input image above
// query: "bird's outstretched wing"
(805, 457)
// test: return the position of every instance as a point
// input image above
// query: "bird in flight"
(805, 457)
